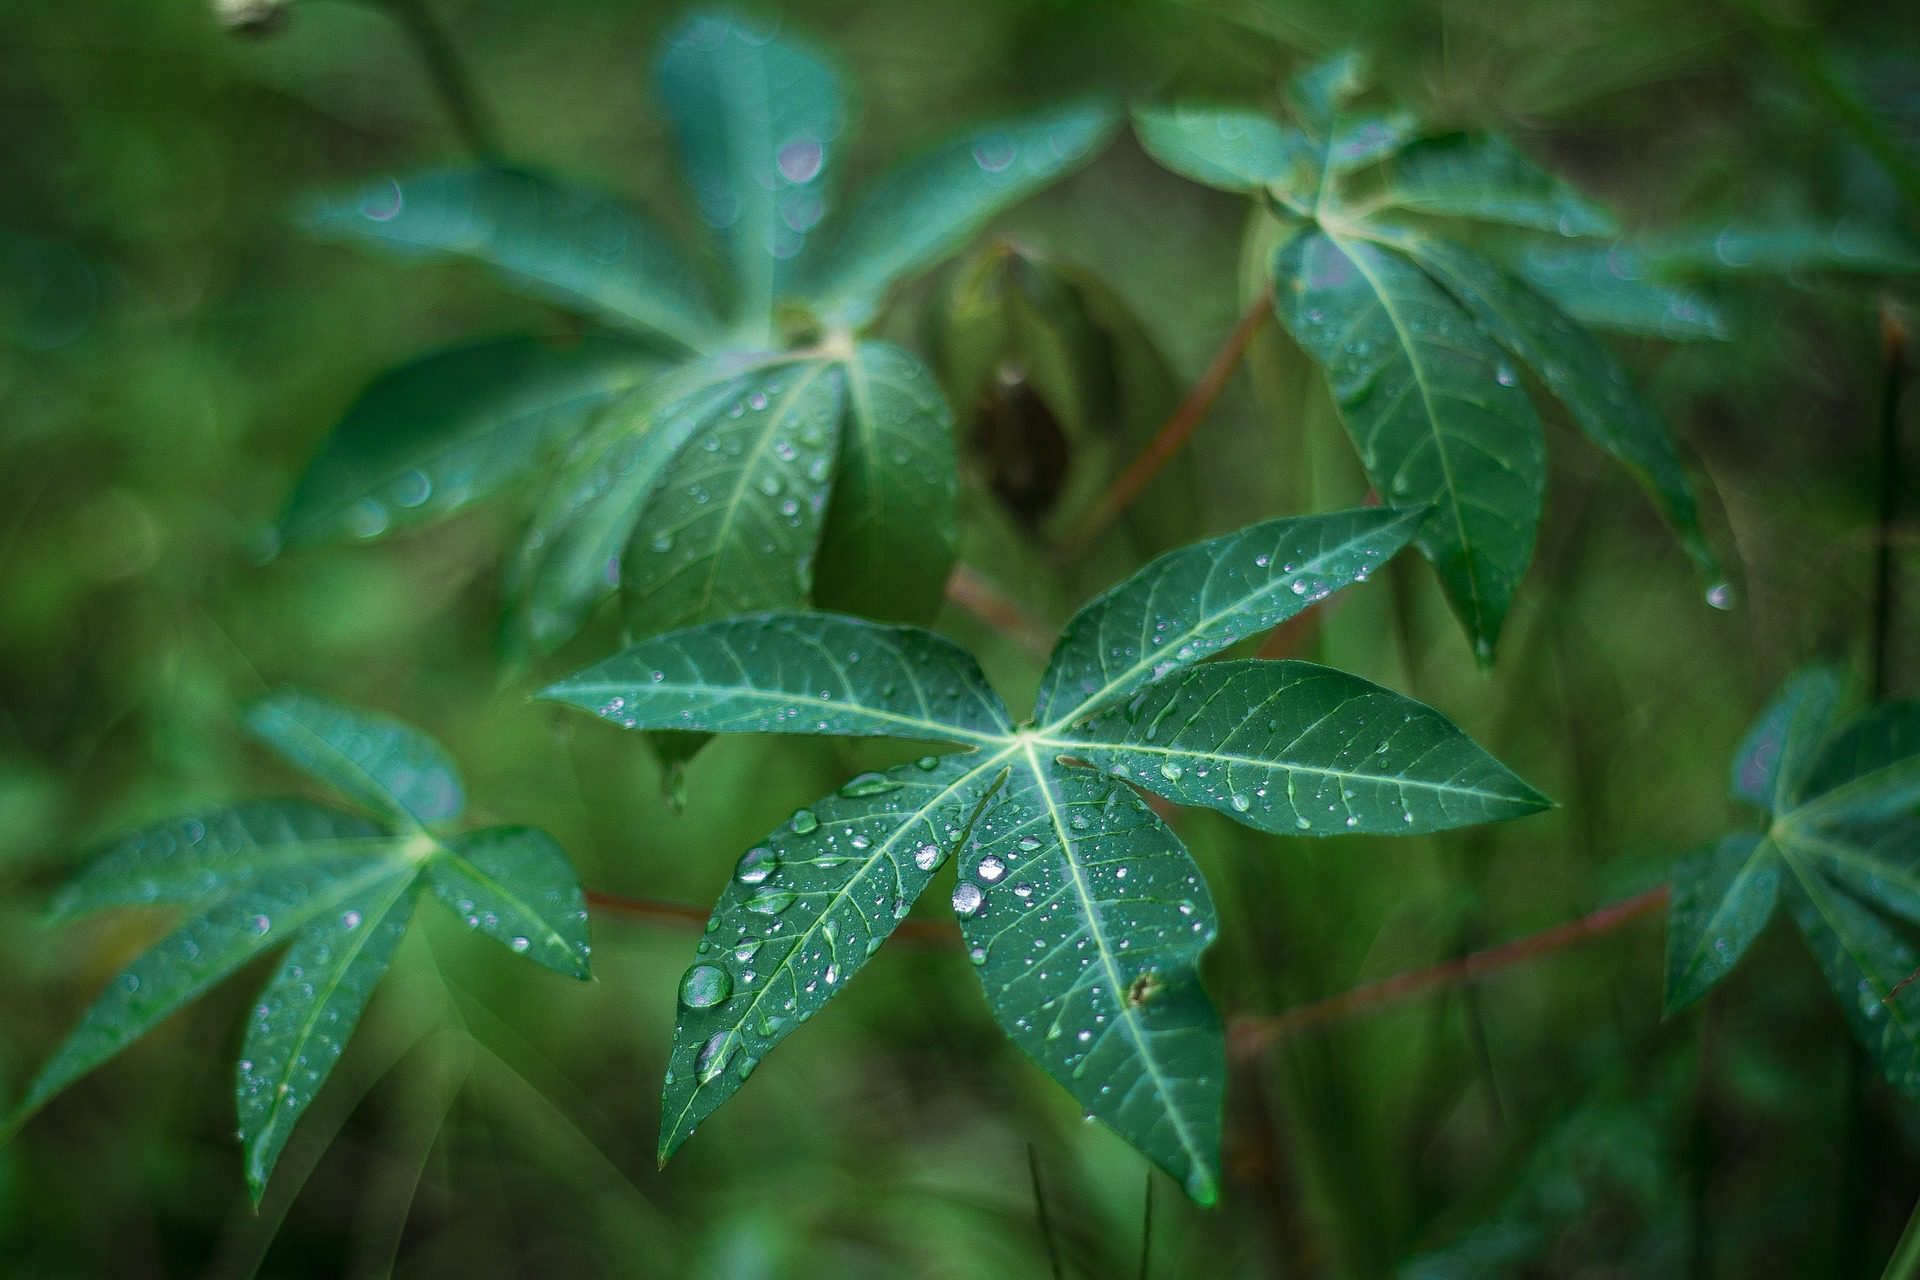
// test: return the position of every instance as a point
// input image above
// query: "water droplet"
(713, 1056)
(704, 985)
(804, 822)
(756, 865)
(927, 763)
(350, 921)
(967, 899)
(869, 784)
(519, 945)
(1721, 595)
(991, 869)
(769, 901)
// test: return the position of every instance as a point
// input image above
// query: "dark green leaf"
(1879, 862)
(757, 118)
(1436, 412)
(1868, 768)
(304, 1017)
(196, 858)
(802, 912)
(428, 439)
(1722, 897)
(891, 525)
(927, 208)
(1614, 287)
(1786, 249)
(561, 243)
(1199, 599)
(794, 673)
(1087, 918)
(1299, 749)
(1484, 177)
(1868, 965)
(373, 759)
(515, 885)
(1772, 761)
(1231, 150)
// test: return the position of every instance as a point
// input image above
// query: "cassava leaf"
(303, 1019)
(802, 912)
(1615, 287)
(1868, 768)
(1198, 599)
(927, 208)
(1878, 862)
(1484, 177)
(515, 885)
(1297, 748)
(564, 244)
(1231, 150)
(1772, 760)
(732, 523)
(1086, 918)
(1867, 964)
(1722, 897)
(1433, 408)
(434, 436)
(191, 859)
(1593, 385)
(757, 118)
(891, 524)
(372, 759)
(794, 673)
(1786, 249)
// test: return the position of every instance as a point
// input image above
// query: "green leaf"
(927, 208)
(1868, 768)
(434, 436)
(561, 243)
(1772, 760)
(373, 759)
(1086, 918)
(1867, 964)
(1787, 249)
(1231, 150)
(1594, 386)
(757, 118)
(1484, 177)
(569, 559)
(303, 1019)
(1722, 897)
(1878, 861)
(732, 522)
(801, 913)
(195, 858)
(1299, 749)
(794, 673)
(260, 916)
(890, 530)
(1199, 599)
(1614, 287)
(1433, 408)
(516, 886)
(1358, 141)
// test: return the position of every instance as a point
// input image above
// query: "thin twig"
(1251, 1034)
(979, 597)
(1173, 433)
(1040, 1213)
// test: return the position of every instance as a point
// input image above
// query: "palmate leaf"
(1485, 178)
(1435, 411)
(1867, 964)
(561, 243)
(1868, 768)
(337, 891)
(434, 436)
(1772, 760)
(1084, 913)
(1231, 150)
(1722, 897)
(1614, 287)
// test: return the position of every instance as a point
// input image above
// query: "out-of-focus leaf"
(926, 209)
(1772, 760)
(1867, 964)
(428, 439)
(1484, 177)
(1868, 768)
(564, 244)
(892, 522)
(1435, 411)
(1786, 249)
(515, 885)
(1616, 287)
(1722, 897)
(758, 118)
(1231, 150)
(1300, 749)
(391, 768)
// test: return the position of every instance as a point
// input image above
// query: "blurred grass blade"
(1300, 749)
(1436, 413)
(390, 767)
(303, 1019)
(1594, 386)
(206, 855)
(1485, 178)
(563, 244)
(892, 523)
(432, 437)
(1199, 599)
(516, 886)
(757, 119)
(794, 673)
(927, 208)
(732, 524)
(1722, 898)
(801, 913)
(1086, 919)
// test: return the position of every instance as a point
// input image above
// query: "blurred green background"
(174, 348)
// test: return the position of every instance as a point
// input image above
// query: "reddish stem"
(1173, 433)
(994, 607)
